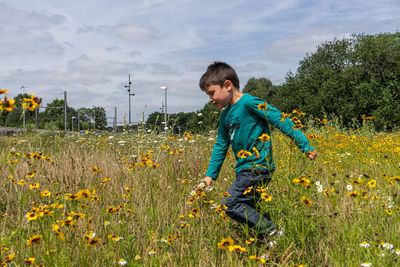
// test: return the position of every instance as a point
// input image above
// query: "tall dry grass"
(141, 215)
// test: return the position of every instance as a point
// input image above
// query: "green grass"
(150, 218)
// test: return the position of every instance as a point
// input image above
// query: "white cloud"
(15, 18)
(136, 33)
(28, 41)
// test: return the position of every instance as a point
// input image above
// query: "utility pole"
(23, 112)
(165, 117)
(115, 119)
(129, 97)
(79, 126)
(65, 111)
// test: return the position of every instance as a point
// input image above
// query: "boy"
(243, 124)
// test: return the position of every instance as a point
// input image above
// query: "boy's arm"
(219, 152)
(273, 116)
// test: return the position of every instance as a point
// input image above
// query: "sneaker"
(270, 238)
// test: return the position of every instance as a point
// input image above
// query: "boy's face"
(220, 96)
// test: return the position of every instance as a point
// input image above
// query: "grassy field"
(105, 200)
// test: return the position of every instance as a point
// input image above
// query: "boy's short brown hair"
(216, 74)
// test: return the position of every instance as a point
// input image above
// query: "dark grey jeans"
(243, 208)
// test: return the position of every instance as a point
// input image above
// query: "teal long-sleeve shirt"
(241, 125)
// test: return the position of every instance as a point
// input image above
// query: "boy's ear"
(228, 84)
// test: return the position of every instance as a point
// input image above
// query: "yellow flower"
(353, 194)
(95, 169)
(29, 261)
(372, 183)
(226, 194)
(33, 186)
(115, 238)
(183, 225)
(256, 153)
(31, 216)
(35, 239)
(7, 104)
(266, 197)
(264, 138)
(389, 211)
(45, 193)
(254, 257)
(243, 154)
(250, 240)
(262, 106)
(237, 248)
(395, 178)
(9, 257)
(248, 190)
(306, 201)
(93, 241)
(56, 229)
(3, 91)
(85, 194)
(225, 243)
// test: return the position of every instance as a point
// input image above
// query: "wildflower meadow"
(132, 199)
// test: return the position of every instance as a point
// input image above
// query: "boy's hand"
(312, 155)
(208, 180)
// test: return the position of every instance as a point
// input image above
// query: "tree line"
(53, 116)
(351, 79)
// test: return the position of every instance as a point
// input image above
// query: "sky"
(88, 48)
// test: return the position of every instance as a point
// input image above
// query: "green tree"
(348, 78)
(261, 87)
(14, 118)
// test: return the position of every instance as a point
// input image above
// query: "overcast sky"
(89, 47)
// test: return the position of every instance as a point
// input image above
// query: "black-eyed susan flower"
(7, 104)
(389, 211)
(56, 229)
(248, 190)
(237, 248)
(93, 241)
(243, 154)
(34, 186)
(95, 169)
(34, 239)
(45, 193)
(10, 257)
(84, 194)
(264, 138)
(306, 201)
(266, 197)
(225, 194)
(115, 238)
(262, 106)
(31, 216)
(372, 183)
(29, 261)
(225, 243)
(353, 194)
(183, 225)
(256, 258)
(250, 241)
(256, 153)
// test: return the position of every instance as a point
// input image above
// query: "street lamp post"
(129, 97)
(165, 118)
(72, 124)
(23, 113)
